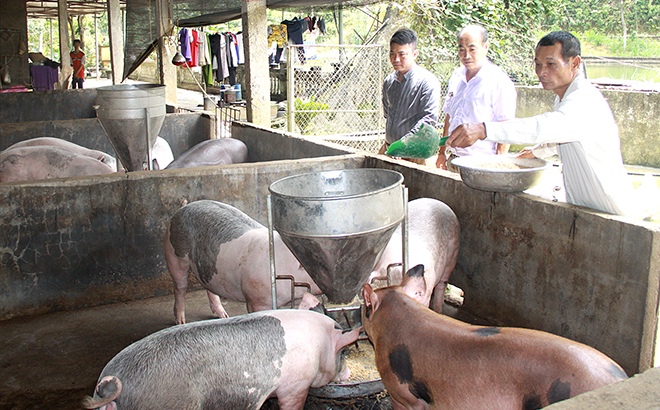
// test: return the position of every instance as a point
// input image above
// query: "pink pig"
(229, 253)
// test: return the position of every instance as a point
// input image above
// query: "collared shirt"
(409, 103)
(489, 96)
(587, 141)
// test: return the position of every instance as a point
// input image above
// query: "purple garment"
(43, 77)
(184, 41)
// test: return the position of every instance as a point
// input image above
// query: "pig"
(45, 162)
(232, 363)
(433, 241)
(431, 361)
(229, 253)
(69, 146)
(222, 151)
(161, 153)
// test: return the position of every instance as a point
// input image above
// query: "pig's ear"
(413, 283)
(347, 337)
(371, 301)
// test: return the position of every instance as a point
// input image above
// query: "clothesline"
(219, 53)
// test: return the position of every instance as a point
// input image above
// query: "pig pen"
(77, 253)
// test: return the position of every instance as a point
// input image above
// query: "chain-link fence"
(335, 94)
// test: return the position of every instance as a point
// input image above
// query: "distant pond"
(645, 70)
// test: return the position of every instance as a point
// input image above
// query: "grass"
(604, 45)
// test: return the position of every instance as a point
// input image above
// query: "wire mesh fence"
(335, 94)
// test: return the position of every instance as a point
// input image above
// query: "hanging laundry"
(194, 49)
(277, 33)
(203, 52)
(295, 29)
(232, 57)
(239, 48)
(185, 38)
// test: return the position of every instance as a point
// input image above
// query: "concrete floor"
(52, 361)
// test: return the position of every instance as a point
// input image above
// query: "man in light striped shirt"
(581, 129)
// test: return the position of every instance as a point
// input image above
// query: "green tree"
(512, 26)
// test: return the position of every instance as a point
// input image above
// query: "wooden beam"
(116, 34)
(66, 70)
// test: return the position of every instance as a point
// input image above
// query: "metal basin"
(337, 224)
(476, 173)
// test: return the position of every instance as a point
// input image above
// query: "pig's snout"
(344, 374)
(107, 391)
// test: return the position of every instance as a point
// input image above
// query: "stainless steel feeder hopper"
(337, 224)
(131, 116)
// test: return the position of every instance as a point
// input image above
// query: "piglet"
(430, 361)
(229, 253)
(433, 241)
(232, 363)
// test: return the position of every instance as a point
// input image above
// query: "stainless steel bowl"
(476, 176)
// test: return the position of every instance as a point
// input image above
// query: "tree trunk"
(73, 31)
(623, 24)
(81, 30)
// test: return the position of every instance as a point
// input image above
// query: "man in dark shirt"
(411, 94)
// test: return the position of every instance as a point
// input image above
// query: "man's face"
(554, 73)
(402, 57)
(472, 50)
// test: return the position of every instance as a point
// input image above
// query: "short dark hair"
(570, 45)
(481, 29)
(76, 41)
(404, 36)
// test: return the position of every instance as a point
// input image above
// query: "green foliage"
(306, 110)
(511, 26)
(41, 28)
(598, 44)
(640, 16)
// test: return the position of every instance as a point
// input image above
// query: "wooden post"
(116, 35)
(257, 86)
(166, 70)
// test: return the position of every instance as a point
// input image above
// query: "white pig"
(229, 253)
(46, 162)
(221, 151)
(232, 363)
(69, 146)
(433, 241)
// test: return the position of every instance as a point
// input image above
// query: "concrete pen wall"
(524, 261)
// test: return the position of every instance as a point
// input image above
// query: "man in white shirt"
(478, 91)
(581, 126)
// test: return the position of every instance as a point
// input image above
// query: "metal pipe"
(271, 246)
(404, 232)
(146, 120)
(289, 89)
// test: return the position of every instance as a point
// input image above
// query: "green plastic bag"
(421, 145)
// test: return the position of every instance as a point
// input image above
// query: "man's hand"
(526, 153)
(466, 134)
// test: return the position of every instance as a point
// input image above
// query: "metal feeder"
(131, 116)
